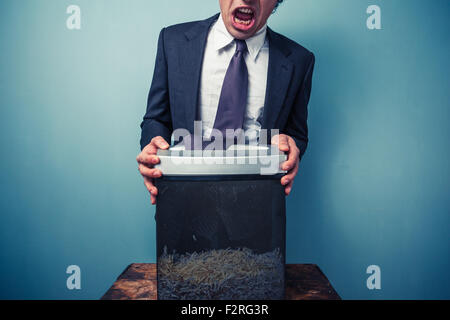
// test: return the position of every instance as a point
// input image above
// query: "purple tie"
(233, 98)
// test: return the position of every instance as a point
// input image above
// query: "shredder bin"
(220, 236)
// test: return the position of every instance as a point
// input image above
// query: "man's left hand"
(287, 144)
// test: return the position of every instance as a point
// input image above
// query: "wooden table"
(303, 282)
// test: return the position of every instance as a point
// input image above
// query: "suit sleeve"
(157, 119)
(297, 126)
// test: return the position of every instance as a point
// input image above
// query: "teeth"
(242, 21)
(245, 10)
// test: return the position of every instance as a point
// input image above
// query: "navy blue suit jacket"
(174, 92)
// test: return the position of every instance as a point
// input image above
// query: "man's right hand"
(146, 161)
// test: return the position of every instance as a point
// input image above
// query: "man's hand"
(146, 161)
(287, 144)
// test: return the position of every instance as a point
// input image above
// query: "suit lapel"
(278, 79)
(191, 60)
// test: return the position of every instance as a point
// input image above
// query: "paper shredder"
(221, 224)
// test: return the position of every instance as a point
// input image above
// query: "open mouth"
(243, 18)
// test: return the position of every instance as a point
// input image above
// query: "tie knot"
(241, 46)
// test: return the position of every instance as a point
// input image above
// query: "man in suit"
(229, 71)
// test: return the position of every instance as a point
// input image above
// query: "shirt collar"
(222, 38)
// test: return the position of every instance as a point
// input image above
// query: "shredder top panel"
(237, 160)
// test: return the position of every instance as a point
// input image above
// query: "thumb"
(161, 143)
(282, 141)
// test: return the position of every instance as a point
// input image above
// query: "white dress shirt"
(220, 48)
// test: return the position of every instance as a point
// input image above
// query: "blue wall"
(373, 186)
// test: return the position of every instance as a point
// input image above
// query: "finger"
(149, 172)
(150, 149)
(147, 159)
(282, 141)
(151, 188)
(285, 180)
(290, 176)
(155, 144)
(160, 143)
(149, 184)
(288, 188)
(291, 161)
(293, 157)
